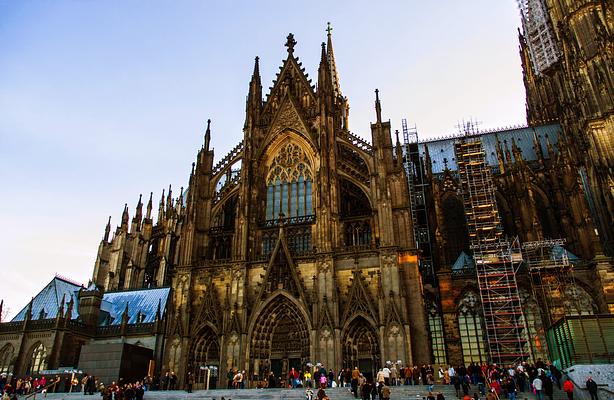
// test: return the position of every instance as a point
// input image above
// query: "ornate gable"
(359, 299)
(291, 79)
(281, 272)
(210, 310)
(326, 320)
(288, 116)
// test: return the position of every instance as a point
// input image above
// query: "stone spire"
(332, 66)
(500, 157)
(107, 230)
(324, 76)
(161, 208)
(253, 105)
(149, 206)
(207, 136)
(378, 107)
(125, 218)
(138, 215)
(169, 202)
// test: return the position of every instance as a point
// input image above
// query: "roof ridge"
(137, 290)
(67, 280)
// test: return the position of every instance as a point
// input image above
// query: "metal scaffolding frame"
(550, 274)
(496, 259)
(416, 181)
(539, 34)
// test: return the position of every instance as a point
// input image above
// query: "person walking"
(568, 389)
(190, 382)
(591, 386)
(538, 385)
(355, 377)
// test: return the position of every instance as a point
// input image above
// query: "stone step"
(398, 392)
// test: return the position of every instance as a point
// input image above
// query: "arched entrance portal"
(204, 355)
(280, 339)
(361, 348)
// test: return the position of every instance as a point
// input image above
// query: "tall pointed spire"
(428, 164)
(378, 107)
(169, 202)
(149, 206)
(161, 208)
(253, 104)
(539, 152)
(330, 56)
(324, 77)
(107, 230)
(500, 157)
(125, 217)
(208, 135)
(138, 214)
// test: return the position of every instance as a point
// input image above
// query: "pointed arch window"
(206, 352)
(38, 361)
(6, 359)
(471, 329)
(437, 339)
(535, 326)
(289, 184)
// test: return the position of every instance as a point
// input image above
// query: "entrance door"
(281, 337)
(360, 347)
(365, 365)
(294, 363)
(276, 367)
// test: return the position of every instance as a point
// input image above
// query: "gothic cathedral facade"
(296, 247)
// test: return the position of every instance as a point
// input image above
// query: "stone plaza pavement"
(398, 393)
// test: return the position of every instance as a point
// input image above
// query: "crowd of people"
(472, 382)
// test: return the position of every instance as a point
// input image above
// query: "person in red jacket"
(568, 389)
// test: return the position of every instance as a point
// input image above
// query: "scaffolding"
(496, 259)
(417, 183)
(551, 273)
(538, 34)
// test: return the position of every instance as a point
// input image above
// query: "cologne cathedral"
(309, 244)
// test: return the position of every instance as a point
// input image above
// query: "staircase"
(398, 393)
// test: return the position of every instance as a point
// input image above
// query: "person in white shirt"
(386, 371)
(538, 386)
(452, 374)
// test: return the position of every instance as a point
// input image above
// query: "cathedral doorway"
(280, 339)
(205, 359)
(361, 348)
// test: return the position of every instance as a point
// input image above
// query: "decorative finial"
(290, 43)
(329, 29)
(207, 136)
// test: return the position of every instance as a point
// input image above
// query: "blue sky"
(103, 100)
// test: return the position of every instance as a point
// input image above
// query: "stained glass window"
(437, 339)
(38, 362)
(289, 184)
(471, 329)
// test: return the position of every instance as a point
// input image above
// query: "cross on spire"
(290, 43)
(329, 28)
